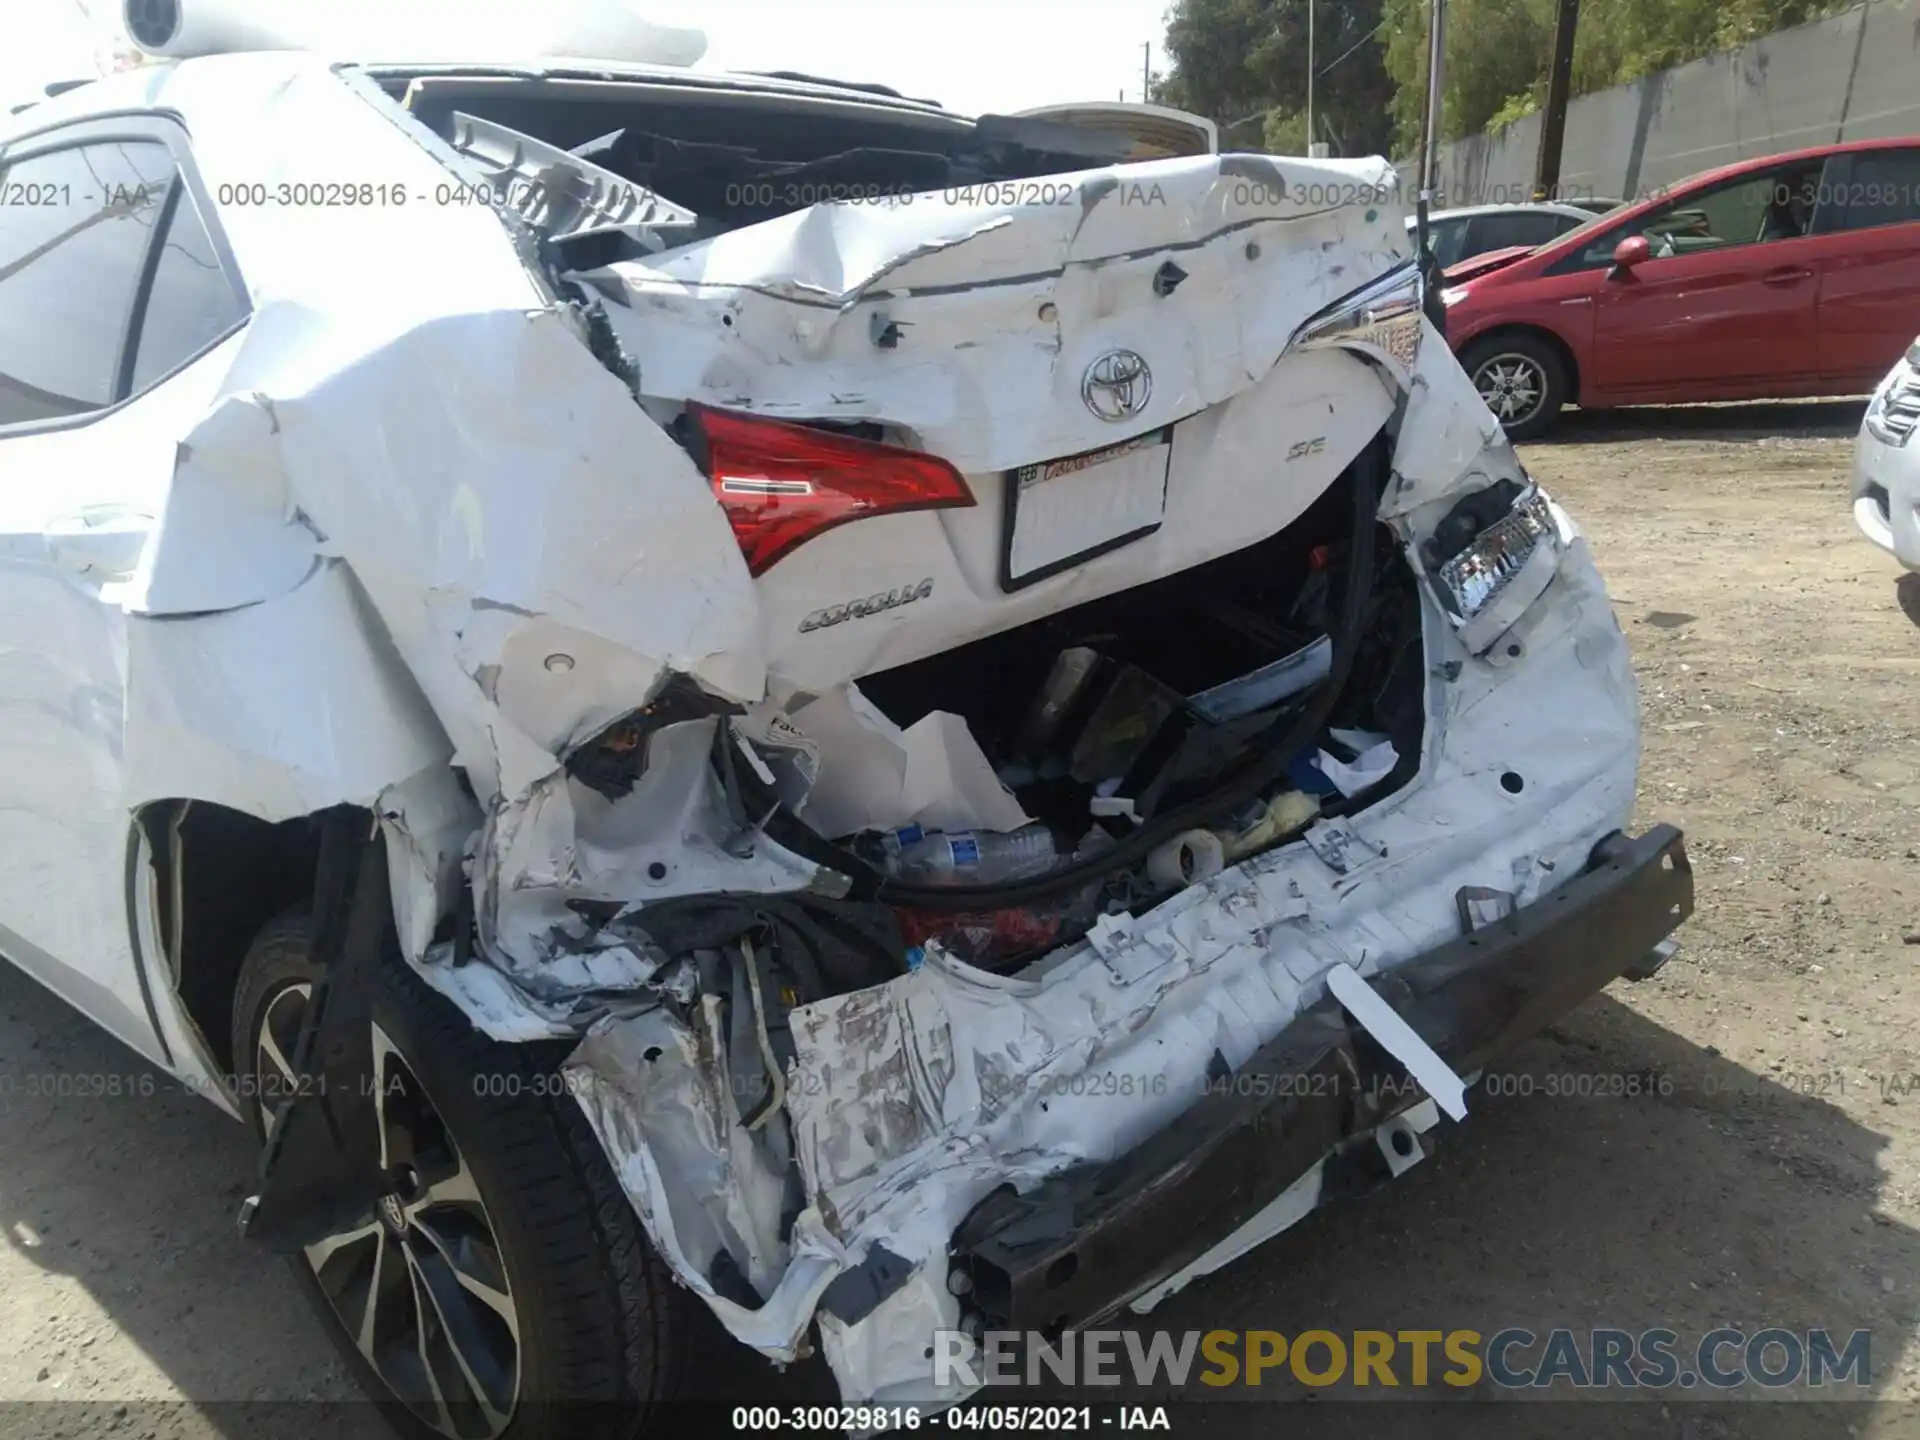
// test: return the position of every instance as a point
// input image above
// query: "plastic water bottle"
(978, 857)
(894, 842)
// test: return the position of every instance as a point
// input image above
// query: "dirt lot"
(1776, 1183)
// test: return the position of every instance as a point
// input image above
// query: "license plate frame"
(1064, 529)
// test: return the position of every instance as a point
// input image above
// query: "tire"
(1522, 378)
(592, 1335)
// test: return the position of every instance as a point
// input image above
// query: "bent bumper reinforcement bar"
(1088, 1241)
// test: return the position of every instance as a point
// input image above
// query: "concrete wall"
(1853, 77)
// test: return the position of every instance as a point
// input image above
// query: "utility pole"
(1146, 72)
(1553, 123)
(1430, 161)
(1309, 77)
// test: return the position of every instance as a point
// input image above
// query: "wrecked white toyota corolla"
(737, 692)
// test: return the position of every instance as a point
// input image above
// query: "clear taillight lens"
(783, 484)
(1489, 582)
(1383, 319)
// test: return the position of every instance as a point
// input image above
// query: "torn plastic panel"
(562, 195)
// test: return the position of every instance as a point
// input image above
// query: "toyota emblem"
(1117, 386)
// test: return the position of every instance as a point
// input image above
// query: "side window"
(191, 303)
(1524, 227)
(108, 278)
(1449, 241)
(1753, 210)
(74, 230)
(1883, 188)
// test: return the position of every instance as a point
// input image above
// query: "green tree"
(1243, 63)
(1498, 50)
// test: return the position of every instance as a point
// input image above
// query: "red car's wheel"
(1522, 380)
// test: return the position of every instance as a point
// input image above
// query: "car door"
(115, 301)
(1870, 274)
(1726, 307)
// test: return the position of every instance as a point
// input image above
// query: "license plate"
(1061, 513)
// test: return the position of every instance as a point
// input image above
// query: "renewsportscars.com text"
(1512, 1358)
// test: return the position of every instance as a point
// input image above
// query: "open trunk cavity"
(1148, 739)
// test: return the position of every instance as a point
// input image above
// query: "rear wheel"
(501, 1289)
(1522, 379)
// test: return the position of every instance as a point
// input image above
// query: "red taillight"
(782, 484)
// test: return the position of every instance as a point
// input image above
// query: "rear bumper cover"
(1088, 1241)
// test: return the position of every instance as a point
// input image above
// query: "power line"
(1370, 35)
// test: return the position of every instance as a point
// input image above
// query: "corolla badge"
(1117, 386)
(871, 605)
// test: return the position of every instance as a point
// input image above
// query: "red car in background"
(1790, 276)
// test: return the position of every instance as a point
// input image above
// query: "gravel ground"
(1776, 1182)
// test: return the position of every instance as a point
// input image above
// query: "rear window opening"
(1111, 717)
(737, 157)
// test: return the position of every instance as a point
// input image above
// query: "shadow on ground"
(1715, 1196)
(1907, 591)
(1808, 419)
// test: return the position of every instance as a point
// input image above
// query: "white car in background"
(727, 691)
(1886, 465)
(1469, 230)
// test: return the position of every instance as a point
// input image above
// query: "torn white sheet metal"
(229, 533)
(496, 1006)
(409, 420)
(726, 1184)
(670, 835)
(876, 776)
(539, 551)
(427, 820)
(1399, 1040)
(1449, 444)
(657, 1095)
(1373, 763)
(537, 589)
(1005, 294)
(1001, 301)
(278, 709)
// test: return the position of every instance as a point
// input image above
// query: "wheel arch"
(219, 874)
(241, 727)
(1495, 333)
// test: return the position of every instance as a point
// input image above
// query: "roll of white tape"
(1195, 856)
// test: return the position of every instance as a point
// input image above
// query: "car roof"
(1526, 207)
(1557, 248)
(790, 82)
(140, 87)
(1785, 157)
